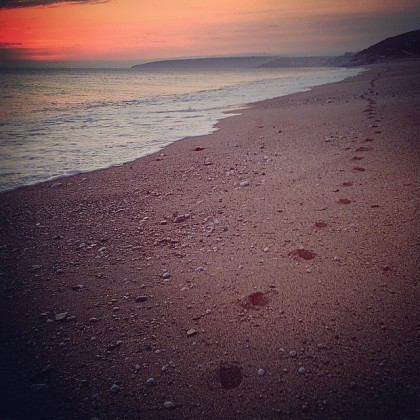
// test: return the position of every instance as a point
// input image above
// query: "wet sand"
(269, 270)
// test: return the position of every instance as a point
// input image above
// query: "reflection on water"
(56, 121)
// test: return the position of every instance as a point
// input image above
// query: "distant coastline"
(251, 62)
(401, 47)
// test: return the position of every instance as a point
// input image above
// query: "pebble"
(191, 332)
(199, 269)
(266, 249)
(141, 299)
(114, 389)
(166, 275)
(244, 183)
(61, 317)
(169, 405)
(301, 370)
(261, 372)
(150, 381)
(38, 387)
(79, 288)
(181, 218)
(293, 353)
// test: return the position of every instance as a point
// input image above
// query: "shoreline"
(208, 124)
(267, 269)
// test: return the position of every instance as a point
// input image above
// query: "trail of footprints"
(231, 373)
(372, 114)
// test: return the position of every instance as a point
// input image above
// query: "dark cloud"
(12, 53)
(9, 44)
(9, 53)
(16, 4)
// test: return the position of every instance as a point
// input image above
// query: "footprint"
(344, 201)
(305, 254)
(255, 300)
(320, 224)
(230, 374)
(347, 184)
(357, 158)
(359, 169)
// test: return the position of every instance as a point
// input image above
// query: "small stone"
(244, 183)
(115, 389)
(169, 405)
(38, 387)
(166, 275)
(115, 309)
(79, 288)
(181, 218)
(61, 317)
(261, 372)
(141, 299)
(164, 222)
(150, 382)
(199, 269)
(266, 249)
(191, 332)
(293, 353)
(301, 370)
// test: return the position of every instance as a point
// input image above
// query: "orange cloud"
(133, 29)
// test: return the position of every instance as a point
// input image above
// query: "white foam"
(58, 123)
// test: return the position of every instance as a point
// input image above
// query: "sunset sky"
(138, 30)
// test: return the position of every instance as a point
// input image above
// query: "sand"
(269, 270)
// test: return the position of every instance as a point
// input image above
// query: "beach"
(268, 270)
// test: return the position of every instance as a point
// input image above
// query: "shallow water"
(55, 123)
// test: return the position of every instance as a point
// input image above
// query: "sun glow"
(132, 29)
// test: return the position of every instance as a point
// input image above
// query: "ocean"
(55, 123)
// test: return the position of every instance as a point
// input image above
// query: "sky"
(133, 31)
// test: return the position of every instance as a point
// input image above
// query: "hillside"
(404, 46)
(400, 47)
(216, 63)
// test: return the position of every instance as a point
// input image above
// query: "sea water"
(55, 123)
